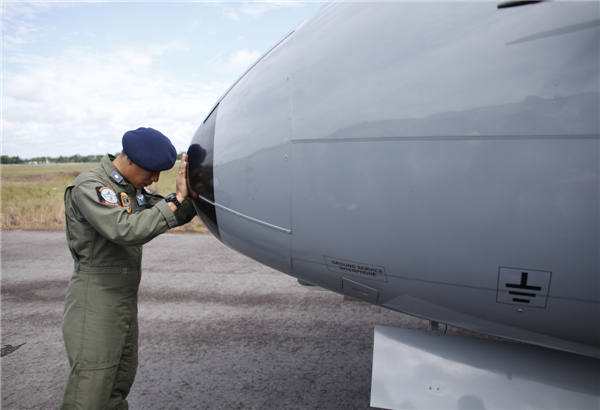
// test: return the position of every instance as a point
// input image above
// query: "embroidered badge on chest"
(107, 195)
(126, 202)
(141, 199)
(148, 191)
(116, 176)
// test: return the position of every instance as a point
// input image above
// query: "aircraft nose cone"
(201, 174)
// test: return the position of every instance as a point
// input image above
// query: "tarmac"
(217, 330)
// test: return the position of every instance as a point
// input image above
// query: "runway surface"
(217, 330)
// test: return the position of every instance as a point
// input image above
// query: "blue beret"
(149, 149)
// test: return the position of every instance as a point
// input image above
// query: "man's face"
(141, 178)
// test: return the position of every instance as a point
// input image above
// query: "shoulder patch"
(107, 195)
(148, 191)
(116, 176)
(125, 201)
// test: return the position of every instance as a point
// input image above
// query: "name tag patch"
(107, 195)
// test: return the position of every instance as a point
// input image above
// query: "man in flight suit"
(110, 214)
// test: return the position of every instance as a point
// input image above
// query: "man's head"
(146, 152)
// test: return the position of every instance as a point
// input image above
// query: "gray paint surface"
(456, 139)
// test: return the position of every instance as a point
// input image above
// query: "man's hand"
(182, 180)
(181, 183)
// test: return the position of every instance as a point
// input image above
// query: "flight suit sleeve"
(152, 198)
(114, 222)
(185, 214)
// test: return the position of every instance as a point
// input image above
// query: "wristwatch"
(173, 198)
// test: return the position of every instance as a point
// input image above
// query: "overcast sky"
(77, 75)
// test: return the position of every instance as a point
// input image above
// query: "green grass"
(31, 196)
(28, 170)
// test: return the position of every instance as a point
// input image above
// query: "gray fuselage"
(439, 159)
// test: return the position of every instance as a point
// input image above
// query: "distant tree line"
(42, 160)
(5, 159)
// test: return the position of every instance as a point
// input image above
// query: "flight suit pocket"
(129, 360)
(95, 385)
(128, 365)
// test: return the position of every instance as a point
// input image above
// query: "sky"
(77, 75)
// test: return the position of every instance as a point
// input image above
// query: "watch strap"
(173, 198)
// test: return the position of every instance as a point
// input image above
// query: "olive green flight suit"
(108, 221)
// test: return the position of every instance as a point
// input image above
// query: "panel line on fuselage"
(451, 138)
(249, 218)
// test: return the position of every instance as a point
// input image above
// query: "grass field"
(31, 196)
